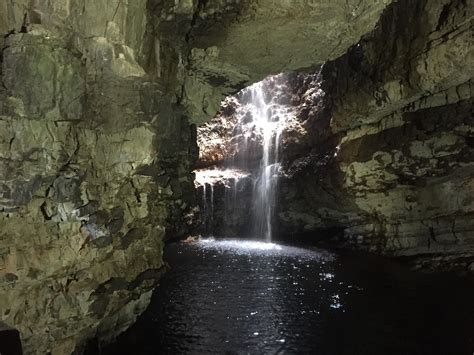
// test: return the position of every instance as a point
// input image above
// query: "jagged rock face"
(97, 145)
(94, 166)
(214, 138)
(392, 161)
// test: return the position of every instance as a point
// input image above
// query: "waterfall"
(252, 146)
(266, 123)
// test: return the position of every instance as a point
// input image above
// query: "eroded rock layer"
(391, 167)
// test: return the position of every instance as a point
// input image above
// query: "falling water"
(268, 126)
(259, 122)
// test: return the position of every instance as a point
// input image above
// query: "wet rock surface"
(240, 155)
(233, 138)
(225, 201)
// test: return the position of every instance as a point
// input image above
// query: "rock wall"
(96, 104)
(94, 167)
(391, 126)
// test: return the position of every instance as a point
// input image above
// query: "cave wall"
(94, 166)
(391, 162)
(97, 143)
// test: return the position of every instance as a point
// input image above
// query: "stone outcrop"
(97, 100)
(226, 141)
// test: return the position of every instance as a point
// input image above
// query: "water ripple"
(250, 297)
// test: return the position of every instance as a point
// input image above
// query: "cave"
(236, 176)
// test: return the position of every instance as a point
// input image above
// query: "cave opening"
(241, 157)
(250, 151)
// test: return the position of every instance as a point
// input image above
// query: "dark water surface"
(244, 297)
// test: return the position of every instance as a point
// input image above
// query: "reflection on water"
(248, 297)
(259, 248)
(239, 245)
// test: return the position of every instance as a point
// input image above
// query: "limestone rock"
(81, 203)
(391, 168)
